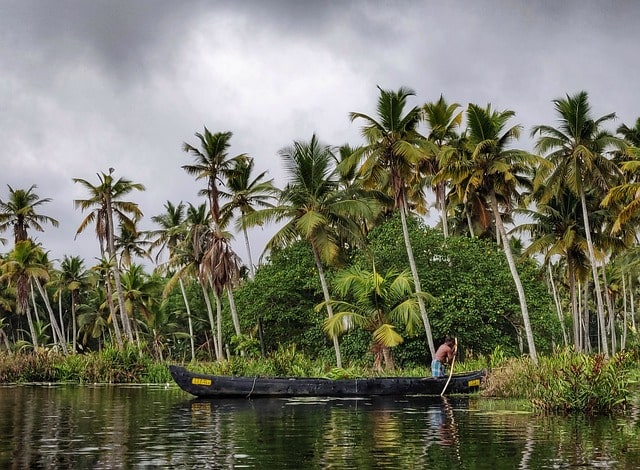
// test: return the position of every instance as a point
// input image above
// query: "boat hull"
(212, 386)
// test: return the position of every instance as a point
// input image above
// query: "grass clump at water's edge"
(567, 382)
(107, 366)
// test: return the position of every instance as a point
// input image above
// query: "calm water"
(67, 426)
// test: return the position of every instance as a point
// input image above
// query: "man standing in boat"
(444, 355)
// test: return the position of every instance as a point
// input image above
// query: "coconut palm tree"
(171, 231)
(20, 266)
(140, 294)
(576, 149)
(220, 264)
(105, 204)
(315, 209)
(132, 243)
(557, 229)
(186, 259)
(389, 160)
(19, 213)
(74, 278)
(443, 120)
(381, 304)
(500, 172)
(246, 194)
(37, 280)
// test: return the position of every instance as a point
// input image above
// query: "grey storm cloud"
(89, 85)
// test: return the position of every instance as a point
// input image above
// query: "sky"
(90, 85)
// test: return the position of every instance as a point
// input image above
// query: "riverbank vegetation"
(434, 200)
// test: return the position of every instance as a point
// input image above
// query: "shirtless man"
(444, 355)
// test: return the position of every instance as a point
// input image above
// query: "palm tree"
(132, 243)
(105, 202)
(389, 161)
(19, 213)
(246, 194)
(557, 230)
(57, 329)
(381, 303)
(21, 265)
(187, 258)
(73, 277)
(140, 294)
(315, 209)
(499, 172)
(443, 120)
(576, 149)
(171, 231)
(219, 265)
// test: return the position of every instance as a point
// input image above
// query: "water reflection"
(160, 427)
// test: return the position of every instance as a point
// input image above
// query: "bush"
(566, 382)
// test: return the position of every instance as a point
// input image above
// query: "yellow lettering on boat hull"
(474, 383)
(199, 381)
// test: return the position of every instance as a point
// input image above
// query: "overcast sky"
(90, 85)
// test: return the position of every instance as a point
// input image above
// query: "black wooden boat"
(214, 386)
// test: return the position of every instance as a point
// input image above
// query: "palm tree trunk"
(442, 197)
(416, 278)
(57, 333)
(594, 271)
(32, 329)
(212, 322)
(623, 335)
(575, 307)
(556, 299)
(126, 324)
(467, 213)
(112, 311)
(632, 301)
(612, 313)
(189, 322)
(62, 330)
(219, 324)
(234, 311)
(248, 246)
(516, 279)
(327, 299)
(74, 322)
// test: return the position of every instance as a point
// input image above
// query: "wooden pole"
(453, 361)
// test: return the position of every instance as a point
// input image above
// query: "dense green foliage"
(476, 300)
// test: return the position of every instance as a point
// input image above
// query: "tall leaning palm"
(577, 148)
(501, 172)
(19, 213)
(105, 203)
(315, 209)
(389, 161)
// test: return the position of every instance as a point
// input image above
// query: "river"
(151, 426)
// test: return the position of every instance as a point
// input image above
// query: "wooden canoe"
(215, 386)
